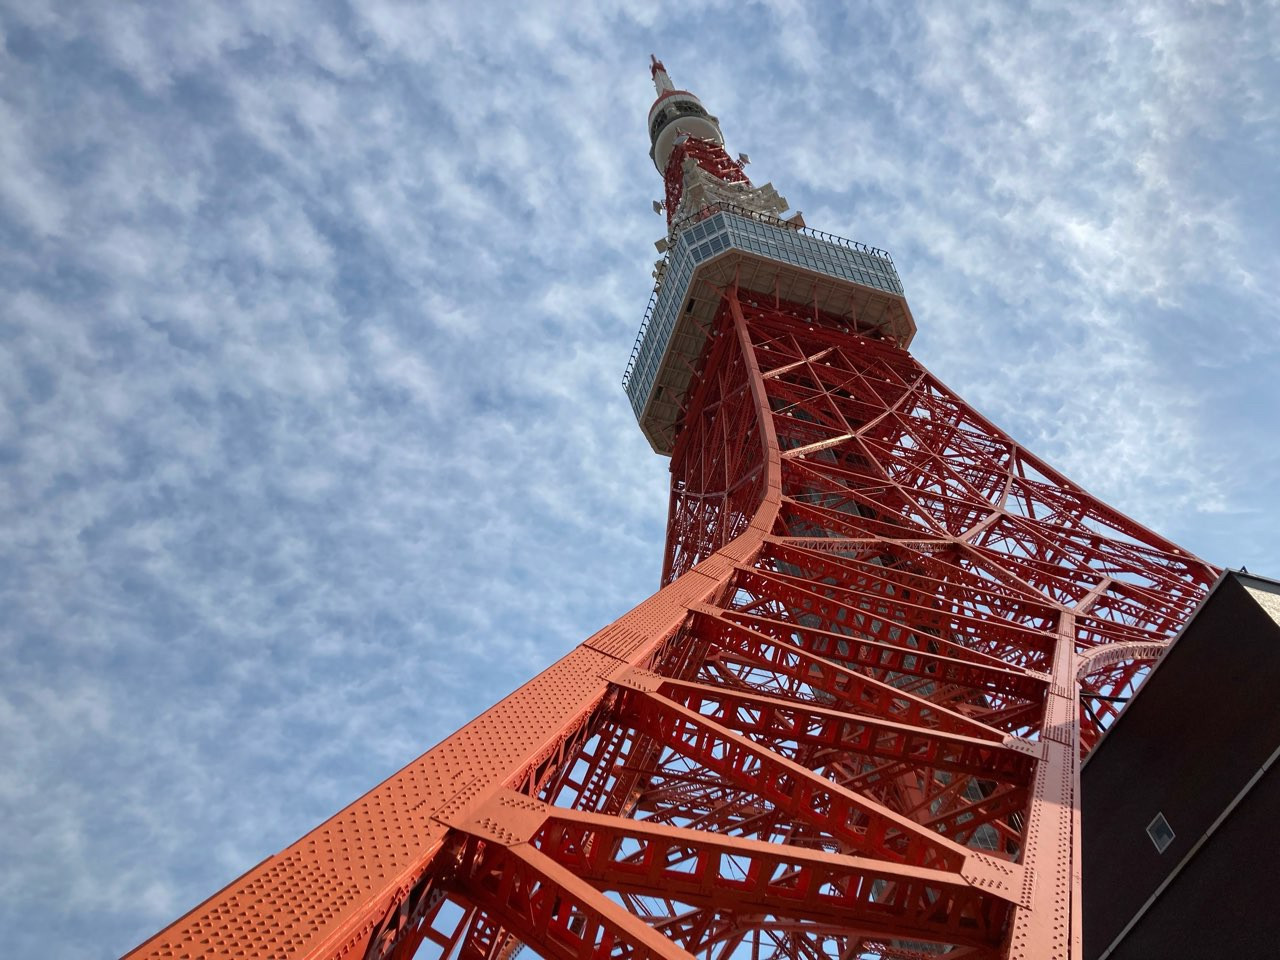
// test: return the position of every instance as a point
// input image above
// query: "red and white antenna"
(687, 147)
(660, 79)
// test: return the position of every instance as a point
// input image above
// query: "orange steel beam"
(849, 724)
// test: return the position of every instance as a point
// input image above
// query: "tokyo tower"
(851, 721)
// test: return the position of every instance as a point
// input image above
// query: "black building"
(1181, 798)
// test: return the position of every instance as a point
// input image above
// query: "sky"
(313, 318)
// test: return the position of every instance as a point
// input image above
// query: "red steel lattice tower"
(850, 722)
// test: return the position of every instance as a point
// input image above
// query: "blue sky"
(313, 319)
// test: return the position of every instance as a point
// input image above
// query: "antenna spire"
(661, 82)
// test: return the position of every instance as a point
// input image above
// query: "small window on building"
(1160, 832)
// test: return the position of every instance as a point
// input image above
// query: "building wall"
(1202, 726)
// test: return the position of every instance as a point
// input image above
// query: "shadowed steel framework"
(850, 722)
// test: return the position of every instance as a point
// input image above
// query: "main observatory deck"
(838, 277)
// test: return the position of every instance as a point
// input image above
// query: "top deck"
(837, 276)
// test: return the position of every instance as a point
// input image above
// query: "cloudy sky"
(313, 316)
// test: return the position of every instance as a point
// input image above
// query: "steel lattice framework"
(848, 725)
